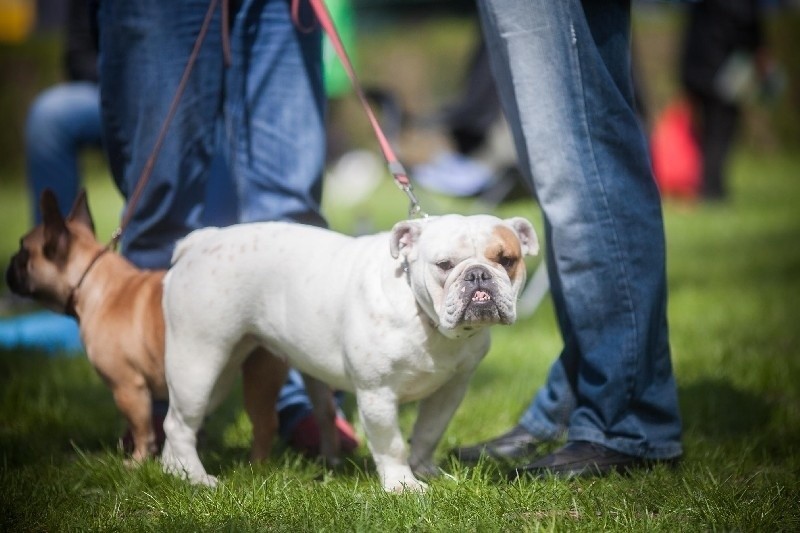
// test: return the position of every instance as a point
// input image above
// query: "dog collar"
(69, 306)
(407, 270)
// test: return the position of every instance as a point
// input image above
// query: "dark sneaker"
(513, 445)
(585, 459)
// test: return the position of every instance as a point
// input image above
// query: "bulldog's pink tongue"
(481, 296)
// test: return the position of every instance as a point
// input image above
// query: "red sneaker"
(305, 436)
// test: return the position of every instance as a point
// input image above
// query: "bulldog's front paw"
(191, 470)
(205, 479)
(402, 480)
(195, 478)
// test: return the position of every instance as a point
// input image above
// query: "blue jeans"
(564, 75)
(62, 121)
(271, 101)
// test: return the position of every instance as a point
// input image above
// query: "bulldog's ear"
(403, 236)
(80, 211)
(526, 235)
(56, 235)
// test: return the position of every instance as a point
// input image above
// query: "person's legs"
(563, 71)
(144, 48)
(274, 111)
(61, 121)
(718, 130)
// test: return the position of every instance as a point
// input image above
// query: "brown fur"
(507, 252)
(118, 307)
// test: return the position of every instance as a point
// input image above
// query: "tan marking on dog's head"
(504, 249)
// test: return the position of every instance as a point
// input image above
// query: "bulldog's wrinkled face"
(45, 263)
(466, 272)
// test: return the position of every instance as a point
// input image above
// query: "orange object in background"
(677, 159)
(16, 20)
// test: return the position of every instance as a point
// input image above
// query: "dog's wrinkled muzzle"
(479, 303)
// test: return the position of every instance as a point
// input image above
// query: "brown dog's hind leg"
(135, 403)
(263, 375)
(325, 413)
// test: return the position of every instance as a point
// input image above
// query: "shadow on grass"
(715, 409)
(50, 405)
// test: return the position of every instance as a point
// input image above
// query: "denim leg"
(62, 120)
(274, 110)
(293, 403)
(563, 71)
(221, 203)
(274, 121)
(549, 413)
(144, 47)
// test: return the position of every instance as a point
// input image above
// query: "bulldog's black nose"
(477, 274)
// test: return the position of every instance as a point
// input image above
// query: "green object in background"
(336, 81)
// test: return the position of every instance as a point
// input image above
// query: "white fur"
(340, 309)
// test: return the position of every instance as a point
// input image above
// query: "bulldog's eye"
(445, 266)
(507, 262)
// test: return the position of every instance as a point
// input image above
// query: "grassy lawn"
(734, 274)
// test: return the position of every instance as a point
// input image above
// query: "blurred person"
(65, 118)
(469, 123)
(564, 77)
(723, 50)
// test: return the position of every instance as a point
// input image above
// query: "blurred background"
(415, 58)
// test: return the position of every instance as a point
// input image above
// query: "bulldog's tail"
(190, 240)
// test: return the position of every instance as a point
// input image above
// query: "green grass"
(734, 272)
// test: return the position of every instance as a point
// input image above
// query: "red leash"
(395, 167)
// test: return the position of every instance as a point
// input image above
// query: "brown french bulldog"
(61, 265)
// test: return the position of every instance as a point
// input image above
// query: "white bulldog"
(394, 317)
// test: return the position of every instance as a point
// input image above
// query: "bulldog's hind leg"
(199, 369)
(179, 456)
(263, 375)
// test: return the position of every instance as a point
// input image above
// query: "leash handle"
(395, 167)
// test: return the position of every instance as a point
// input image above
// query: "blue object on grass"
(45, 330)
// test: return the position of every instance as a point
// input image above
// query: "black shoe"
(585, 459)
(514, 445)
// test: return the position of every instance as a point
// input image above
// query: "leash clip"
(402, 181)
(414, 208)
(115, 237)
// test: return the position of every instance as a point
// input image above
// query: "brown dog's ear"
(80, 211)
(56, 235)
